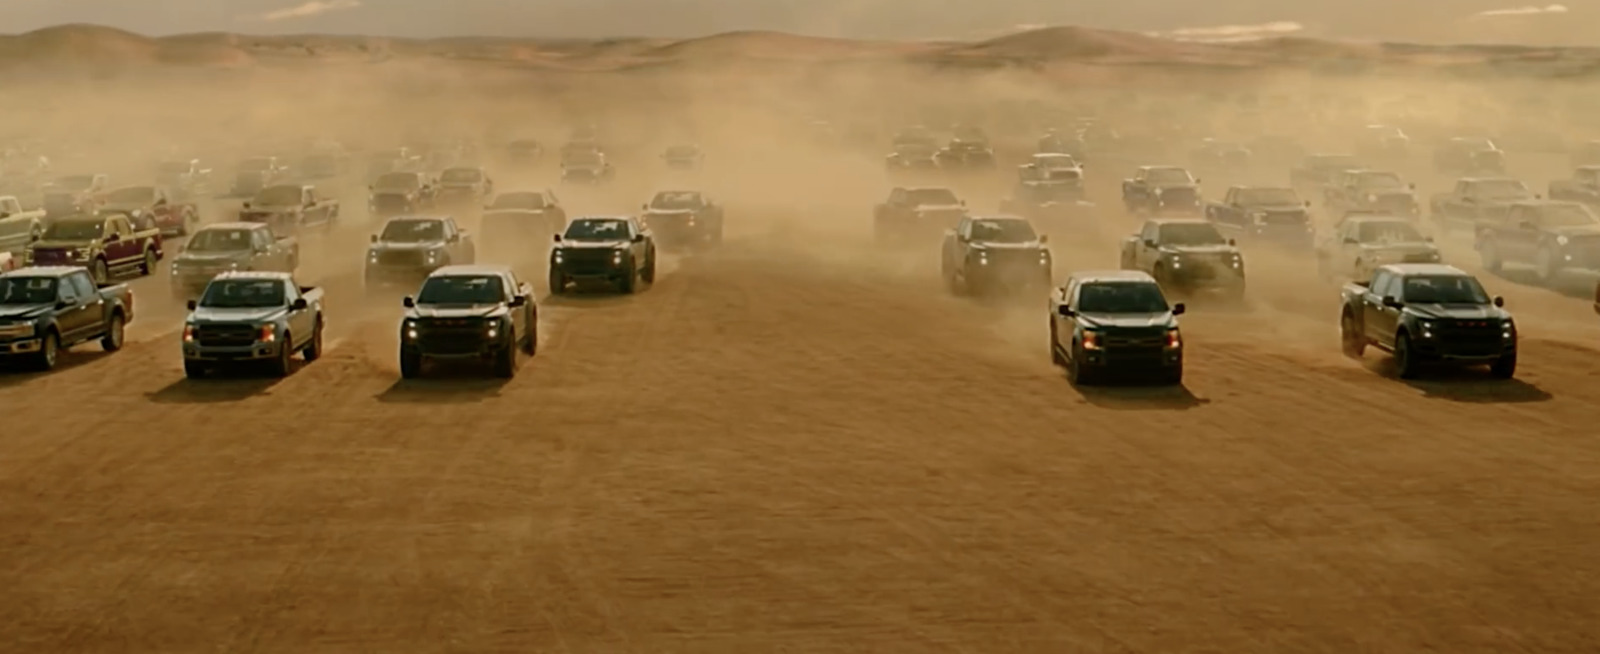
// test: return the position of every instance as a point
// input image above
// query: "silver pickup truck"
(252, 317)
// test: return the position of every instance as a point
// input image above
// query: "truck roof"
(233, 225)
(469, 269)
(1440, 269)
(1092, 276)
(255, 275)
(43, 271)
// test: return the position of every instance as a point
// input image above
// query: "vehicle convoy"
(18, 226)
(683, 218)
(462, 187)
(685, 156)
(469, 313)
(409, 248)
(990, 254)
(1551, 236)
(256, 173)
(228, 247)
(912, 212)
(1371, 190)
(1162, 190)
(1115, 322)
(1584, 186)
(1186, 255)
(1268, 214)
(108, 244)
(171, 217)
(618, 250)
(1319, 170)
(1361, 243)
(1425, 313)
(1469, 156)
(291, 209)
(1474, 199)
(45, 310)
(74, 194)
(186, 179)
(255, 317)
(586, 167)
(397, 193)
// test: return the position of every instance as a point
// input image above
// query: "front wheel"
(49, 352)
(148, 267)
(505, 361)
(313, 349)
(282, 365)
(1504, 367)
(558, 282)
(194, 369)
(101, 272)
(1405, 361)
(410, 364)
(649, 274)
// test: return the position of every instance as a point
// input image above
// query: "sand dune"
(91, 46)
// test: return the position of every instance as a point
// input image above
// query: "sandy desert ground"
(799, 441)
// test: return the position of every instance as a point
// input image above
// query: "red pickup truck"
(107, 244)
(172, 218)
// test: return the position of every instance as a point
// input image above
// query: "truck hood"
(1030, 245)
(1457, 311)
(669, 213)
(60, 245)
(1277, 208)
(1200, 249)
(591, 245)
(24, 311)
(939, 208)
(263, 208)
(401, 246)
(200, 258)
(456, 311)
(1126, 320)
(1407, 247)
(249, 315)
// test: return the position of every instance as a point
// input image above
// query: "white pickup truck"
(18, 227)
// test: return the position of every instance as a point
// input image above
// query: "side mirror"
(191, 304)
(1150, 243)
(409, 302)
(1308, 204)
(1412, 186)
(1197, 180)
(1428, 239)
(518, 300)
(638, 238)
(1065, 311)
(62, 304)
(961, 202)
(644, 207)
(1392, 302)
(1499, 301)
(555, 237)
(247, 205)
(1527, 224)
(1178, 309)
(300, 304)
(1232, 243)
(1044, 238)
(372, 238)
(112, 238)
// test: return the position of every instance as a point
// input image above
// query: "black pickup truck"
(995, 253)
(1110, 322)
(1428, 312)
(475, 313)
(1552, 237)
(1186, 255)
(1162, 190)
(47, 309)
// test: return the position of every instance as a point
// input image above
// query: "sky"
(1387, 19)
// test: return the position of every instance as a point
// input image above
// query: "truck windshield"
(397, 182)
(412, 231)
(1398, 231)
(1003, 231)
(1190, 234)
(518, 201)
(1500, 188)
(461, 176)
(219, 240)
(27, 290)
(278, 196)
(462, 289)
(597, 230)
(1444, 289)
(1379, 181)
(1121, 297)
(1169, 177)
(670, 200)
(243, 294)
(74, 230)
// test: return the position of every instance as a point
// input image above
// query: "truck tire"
(1504, 367)
(1352, 338)
(194, 369)
(1545, 266)
(530, 341)
(100, 271)
(112, 341)
(313, 349)
(49, 352)
(1490, 254)
(410, 364)
(629, 282)
(282, 365)
(558, 282)
(649, 273)
(148, 266)
(1405, 362)
(1076, 374)
(1173, 376)
(1055, 346)
(505, 361)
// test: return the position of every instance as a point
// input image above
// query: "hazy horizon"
(1570, 23)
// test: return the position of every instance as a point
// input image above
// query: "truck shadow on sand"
(220, 387)
(1139, 396)
(445, 384)
(18, 373)
(1472, 385)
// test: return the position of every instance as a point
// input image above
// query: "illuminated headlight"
(269, 333)
(983, 258)
(1562, 240)
(433, 256)
(1174, 340)
(410, 329)
(1044, 258)
(493, 331)
(1237, 261)
(1508, 330)
(177, 268)
(372, 256)
(1427, 328)
(233, 265)
(1090, 340)
(558, 256)
(188, 333)
(616, 258)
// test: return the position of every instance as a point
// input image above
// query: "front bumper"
(260, 351)
(28, 345)
(451, 344)
(1133, 359)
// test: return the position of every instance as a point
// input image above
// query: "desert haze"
(799, 432)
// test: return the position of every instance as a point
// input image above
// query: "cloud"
(1231, 33)
(1522, 11)
(307, 10)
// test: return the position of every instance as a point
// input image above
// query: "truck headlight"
(1508, 330)
(188, 332)
(1174, 340)
(1562, 240)
(558, 257)
(433, 256)
(1427, 328)
(1090, 340)
(616, 258)
(269, 333)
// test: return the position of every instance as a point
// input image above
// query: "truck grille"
(401, 258)
(226, 335)
(1470, 337)
(389, 203)
(450, 336)
(587, 261)
(1178, 197)
(1127, 348)
(1284, 218)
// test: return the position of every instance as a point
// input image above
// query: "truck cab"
(409, 248)
(471, 313)
(1264, 213)
(1162, 190)
(987, 254)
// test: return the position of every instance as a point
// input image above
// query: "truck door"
(1519, 233)
(83, 307)
(119, 242)
(302, 324)
(1379, 320)
(1146, 253)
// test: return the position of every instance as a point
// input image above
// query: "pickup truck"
(1371, 190)
(1062, 168)
(683, 218)
(1583, 186)
(1427, 312)
(186, 178)
(1469, 156)
(252, 317)
(18, 227)
(1551, 236)
(1360, 243)
(256, 173)
(172, 217)
(1162, 190)
(482, 313)
(990, 254)
(1049, 204)
(1264, 213)
(400, 192)
(462, 187)
(1186, 255)
(586, 166)
(409, 248)
(524, 152)
(911, 212)
(291, 209)
(1109, 322)
(618, 250)
(227, 247)
(45, 310)
(107, 244)
(684, 156)
(1474, 199)
(74, 194)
